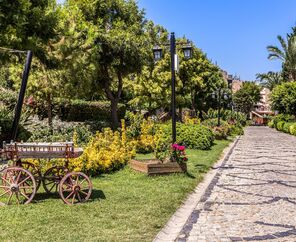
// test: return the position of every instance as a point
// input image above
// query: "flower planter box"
(155, 167)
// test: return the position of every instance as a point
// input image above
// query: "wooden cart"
(20, 181)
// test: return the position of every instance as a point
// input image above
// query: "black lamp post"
(219, 94)
(157, 51)
(21, 97)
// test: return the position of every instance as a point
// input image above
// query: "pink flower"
(175, 146)
(181, 148)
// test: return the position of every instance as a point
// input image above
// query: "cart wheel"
(52, 178)
(75, 187)
(35, 172)
(18, 186)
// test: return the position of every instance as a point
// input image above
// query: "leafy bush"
(6, 120)
(61, 131)
(282, 117)
(283, 98)
(236, 129)
(80, 110)
(293, 129)
(286, 127)
(231, 117)
(107, 151)
(8, 98)
(141, 132)
(271, 123)
(280, 125)
(189, 135)
(220, 132)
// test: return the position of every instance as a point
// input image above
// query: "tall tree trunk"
(180, 113)
(193, 102)
(114, 97)
(114, 113)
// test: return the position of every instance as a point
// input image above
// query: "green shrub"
(236, 129)
(283, 98)
(293, 129)
(8, 98)
(6, 120)
(190, 135)
(271, 124)
(286, 127)
(61, 131)
(229, 116)
(220, 132)
(279, 125)
(282, 117)
(80, 110)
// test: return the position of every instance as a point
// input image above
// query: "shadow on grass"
(189, 175)
(96, 195)
(202, 168)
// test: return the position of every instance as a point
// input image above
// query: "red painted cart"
(20, 180)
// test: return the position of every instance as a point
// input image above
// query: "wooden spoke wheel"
(18, 186)
(34, 171)
(52, 178)
(75, 187)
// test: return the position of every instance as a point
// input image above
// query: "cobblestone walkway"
(252, 196)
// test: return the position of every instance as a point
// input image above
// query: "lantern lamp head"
(187, 50)
(157, 53)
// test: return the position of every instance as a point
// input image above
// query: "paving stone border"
(180, 224)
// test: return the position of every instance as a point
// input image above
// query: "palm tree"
(287, 54)
(270, 79)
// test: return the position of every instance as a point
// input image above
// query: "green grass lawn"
(126, 206)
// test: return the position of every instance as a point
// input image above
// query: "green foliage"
(282, 117)
(220, 132)
(286, 53)
(283, 98)
(106, 151)
(280, 125)
(245, 98)
(27, 24)
(231, 117)
(270, 80)
(134, 122)
(236, 129)
(286, 127)
(61, 132)
(79, 110)
(6, 120)
(271, 123)
(8, 98)
(190, 135)
(141, 132)
(293, 129)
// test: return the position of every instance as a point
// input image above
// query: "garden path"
(251, 196)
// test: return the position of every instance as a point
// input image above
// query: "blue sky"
(233, 33)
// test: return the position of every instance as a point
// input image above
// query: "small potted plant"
(178, 155)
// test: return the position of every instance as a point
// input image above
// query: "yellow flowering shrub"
(106, 151)
(145, 143)
(189, 120)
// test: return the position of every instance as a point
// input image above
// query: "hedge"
(80, 110)
(284, 123)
